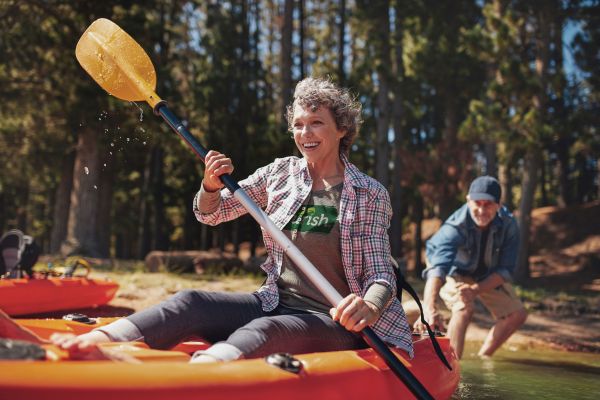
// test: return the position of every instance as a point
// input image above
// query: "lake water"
(515, 374)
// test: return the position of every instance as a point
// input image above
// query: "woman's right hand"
(217, 164)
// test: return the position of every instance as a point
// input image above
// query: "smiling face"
(316, 134)
(482, 211)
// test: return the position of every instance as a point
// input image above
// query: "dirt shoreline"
(540, 330)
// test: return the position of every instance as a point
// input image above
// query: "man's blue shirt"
(455, 247)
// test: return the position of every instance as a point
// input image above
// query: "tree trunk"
(381, 43)
(506, 182)
(491, 160)
(543, 181)
(418, 216)
(301, 17)
(144, 233)
(82, 223)
(564, 141)
(396, 224)
(22, 209)
(204, 237)
(191, 228)
(534, 156)
(598, 174)
(342, 44)
(287, 24)
(2, 211)
(397, 121)
(105, 189)
(62, 200)
(531, 168)
(161, 240)
(564, 186)
(452, 165)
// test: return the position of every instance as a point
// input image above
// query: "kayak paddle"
(122, 68)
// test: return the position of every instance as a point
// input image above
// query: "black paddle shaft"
(399, 369)
(403, 373)
(175, 124)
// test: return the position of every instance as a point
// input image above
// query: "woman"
(336, 215)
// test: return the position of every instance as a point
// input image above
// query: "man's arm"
(468, 292)
(430, 310)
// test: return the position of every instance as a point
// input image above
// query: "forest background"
(450, 89)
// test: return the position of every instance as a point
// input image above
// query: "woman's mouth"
(310, 145)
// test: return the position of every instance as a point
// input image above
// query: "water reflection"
(529, 373)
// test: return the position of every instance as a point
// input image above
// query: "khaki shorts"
(500, 302)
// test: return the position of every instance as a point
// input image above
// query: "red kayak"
(32, 296)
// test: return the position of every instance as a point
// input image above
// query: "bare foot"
(79, 346)
(89, 347)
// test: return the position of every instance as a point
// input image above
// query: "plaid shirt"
(281, 187)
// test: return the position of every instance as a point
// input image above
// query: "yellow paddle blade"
(117, 62)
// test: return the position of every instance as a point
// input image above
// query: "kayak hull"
(345, 375)
(33, 296)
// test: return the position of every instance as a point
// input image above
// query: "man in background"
(473, 256)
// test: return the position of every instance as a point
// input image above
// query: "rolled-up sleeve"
(376, 244)
(207, 202)
(440, 251)
(228, 207)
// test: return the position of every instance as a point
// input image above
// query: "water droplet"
(95, 187)
(87, 170)
(105, 164)
(144, 143)
(112, 144)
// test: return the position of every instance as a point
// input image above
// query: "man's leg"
(462, 312)
(501, 331)
(509, 313)
(457, 328)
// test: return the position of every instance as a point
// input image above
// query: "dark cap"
(485, 188)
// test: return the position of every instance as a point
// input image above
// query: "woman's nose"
(306, 129)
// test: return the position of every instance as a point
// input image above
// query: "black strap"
(402, 284)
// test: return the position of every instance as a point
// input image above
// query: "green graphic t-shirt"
(315, 231)
(314, 218)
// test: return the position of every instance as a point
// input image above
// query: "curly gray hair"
(314, 93)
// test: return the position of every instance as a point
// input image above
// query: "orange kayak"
(344, 375)
(31, 296)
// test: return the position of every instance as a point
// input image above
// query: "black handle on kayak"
(403, 373)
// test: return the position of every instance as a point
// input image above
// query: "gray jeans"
(235, 319)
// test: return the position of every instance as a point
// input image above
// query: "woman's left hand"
(354, 314)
